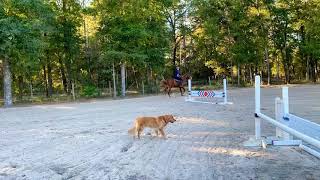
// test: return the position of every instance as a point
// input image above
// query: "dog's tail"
(132, 130)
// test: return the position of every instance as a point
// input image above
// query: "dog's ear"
(163, 118)
(172, 116)
(169, 118)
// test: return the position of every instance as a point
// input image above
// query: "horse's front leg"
(169, 91)
(184, 90)
(181, 91)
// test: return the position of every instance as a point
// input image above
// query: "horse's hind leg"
(169, 91)
(181, 91)
(165, 89)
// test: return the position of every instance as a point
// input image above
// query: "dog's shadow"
(149, 136)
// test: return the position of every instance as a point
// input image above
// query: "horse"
(171, 83)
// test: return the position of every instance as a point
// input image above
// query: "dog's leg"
(135, 134)
(162, 134)
(157, 132)
(139, 130)
(138, 135)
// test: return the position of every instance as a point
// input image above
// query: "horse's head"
(186, 77)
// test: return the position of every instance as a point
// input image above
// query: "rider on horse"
(177, 81)
(177, 75)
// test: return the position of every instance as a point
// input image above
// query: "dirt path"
(90, 141)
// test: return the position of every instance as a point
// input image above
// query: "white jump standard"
(207, 94)
(287, 125)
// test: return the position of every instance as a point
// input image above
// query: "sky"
(87, 2)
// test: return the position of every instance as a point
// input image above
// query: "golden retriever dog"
(156, 123)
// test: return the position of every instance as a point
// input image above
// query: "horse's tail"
(164, 85)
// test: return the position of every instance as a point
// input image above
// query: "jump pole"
(225, 91)
(189, 89)
(223, 94)
(288, 131)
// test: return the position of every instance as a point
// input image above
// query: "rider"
(177, 75)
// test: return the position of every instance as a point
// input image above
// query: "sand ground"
(90, 141)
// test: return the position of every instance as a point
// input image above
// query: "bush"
(90, 91)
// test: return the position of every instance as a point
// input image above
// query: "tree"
(310, 31)
(69, 20)
(175, 12)
(130, 38)
(20, 35)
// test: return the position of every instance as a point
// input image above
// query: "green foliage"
(52, 44)
(90, 91)
(129, 37)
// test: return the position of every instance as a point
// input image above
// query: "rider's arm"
(178, 73)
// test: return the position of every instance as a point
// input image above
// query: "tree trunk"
(174, 38)
(110, 91)
(231, 72)
(126, 77)
(45, 80)
(285, 65)
(308, 68)
(117, 76)
(31, 90)
(286, 57)
(50, 87)
(268, 64)
(314, 70)
(73, 91)
(7, 83)
(180, 54)
(87, 54)
(123, 80)
(244, 75)
(287, 72)
(251, 77)
(317, 70)
(67, 52)
(63, 76)
(238, 74)
(174, 54)
(20, 84)
(261, 75)
(114, 82)
(69, 76)
(278, 69)
(256, 68)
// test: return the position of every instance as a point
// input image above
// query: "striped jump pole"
(207, 94)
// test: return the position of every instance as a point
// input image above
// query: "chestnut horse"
(172, 83)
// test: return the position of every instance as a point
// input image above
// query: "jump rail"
(208, 94)
(287, 124)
